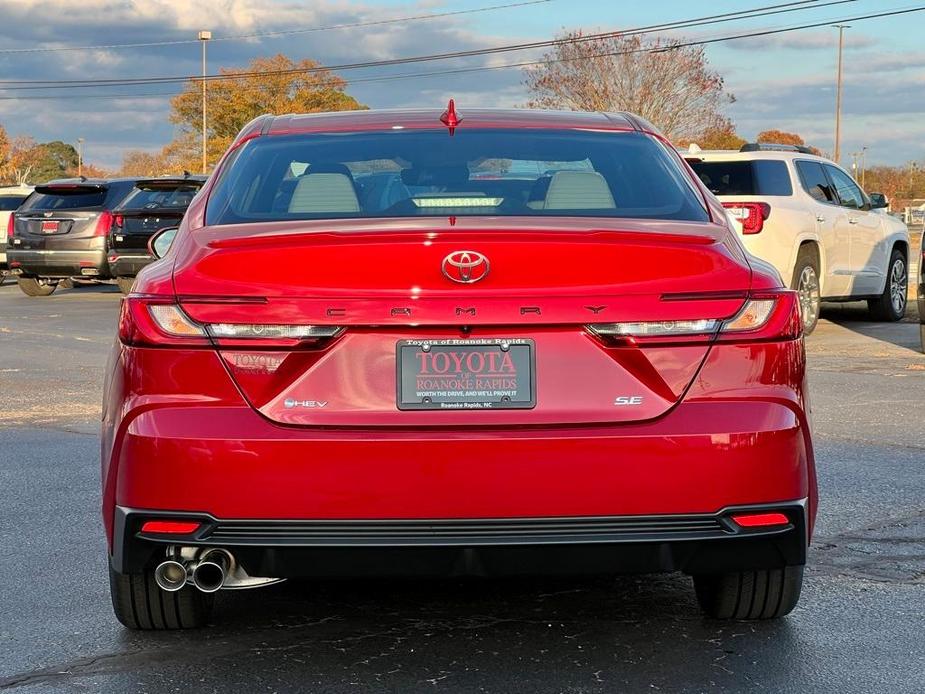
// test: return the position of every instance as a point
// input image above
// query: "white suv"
(807, 217)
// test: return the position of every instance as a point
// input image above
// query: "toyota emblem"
(465, 267)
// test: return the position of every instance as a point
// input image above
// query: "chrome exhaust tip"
(170, 575)
(209, 574)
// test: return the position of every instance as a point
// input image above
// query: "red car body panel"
(202, 428)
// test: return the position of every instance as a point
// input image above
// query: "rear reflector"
(760, 520)
(170, 527)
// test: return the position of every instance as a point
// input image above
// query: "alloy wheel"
(898, 285)
(808, 291)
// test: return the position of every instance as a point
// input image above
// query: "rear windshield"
(758, 177)
(414, 173)
(65, 199)
(160, 196)
(61, 197)
(10, 202)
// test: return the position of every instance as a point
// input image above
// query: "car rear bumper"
(128, 264)
(692, 543)
(286, 498)
(59, 263)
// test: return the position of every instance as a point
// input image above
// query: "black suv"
(62, 231)
(154, 203)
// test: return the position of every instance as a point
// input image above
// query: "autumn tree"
(137, 162)
(666, 83)
(721, 136)
(782, 137)
(17, 165)
(282, 86)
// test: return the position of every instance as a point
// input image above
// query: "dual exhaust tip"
(206, 573)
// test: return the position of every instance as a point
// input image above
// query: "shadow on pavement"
(597, 634)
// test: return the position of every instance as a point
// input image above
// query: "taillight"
(103, 224)
(155, 322)
(117, 222)
(751, 215)
(763, 317)
(11, 225)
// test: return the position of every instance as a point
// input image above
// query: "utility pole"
(864, 168)
(80, 157)
(204, 37)
(838, 86)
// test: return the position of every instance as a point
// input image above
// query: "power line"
(700, 21)
(273, 34)
(522, 64)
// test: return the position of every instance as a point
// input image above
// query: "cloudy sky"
(784, 81)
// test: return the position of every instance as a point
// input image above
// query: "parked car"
(578, 368)
(153, 204)
(11, 197)
(805, 215)
(61, 231)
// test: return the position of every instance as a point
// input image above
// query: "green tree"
(285, 86)
(52, 160)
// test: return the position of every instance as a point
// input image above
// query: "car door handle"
(852, 221)
(820, 218)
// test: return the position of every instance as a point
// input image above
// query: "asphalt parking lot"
(858, 627)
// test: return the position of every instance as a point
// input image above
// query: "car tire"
(140, 604)
(891, 305)
(34, 286)
(759, 594)
(806, 285)
(125, 284)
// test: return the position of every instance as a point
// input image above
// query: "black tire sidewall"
(805, 259)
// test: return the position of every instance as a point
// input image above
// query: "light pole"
(80, 157)
(204, 37)
(838, 85)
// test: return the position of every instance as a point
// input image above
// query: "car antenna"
(186, 174)
(450, 118)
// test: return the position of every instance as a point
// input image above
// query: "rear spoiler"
(154, 183)
(70, 188)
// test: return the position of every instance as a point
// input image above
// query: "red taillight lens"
(760, 520)
(117, 222)
(147, 321)
(751, 215)
(168, 527)
(158, 322)
(11, 225)
(103, 224)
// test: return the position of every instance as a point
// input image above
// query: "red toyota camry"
(477, 343)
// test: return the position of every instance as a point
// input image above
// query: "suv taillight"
(11, 225)
(751, 215)
(103, 224)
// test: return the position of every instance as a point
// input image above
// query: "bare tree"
(670, 85)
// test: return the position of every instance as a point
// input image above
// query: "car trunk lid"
(385, 283)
